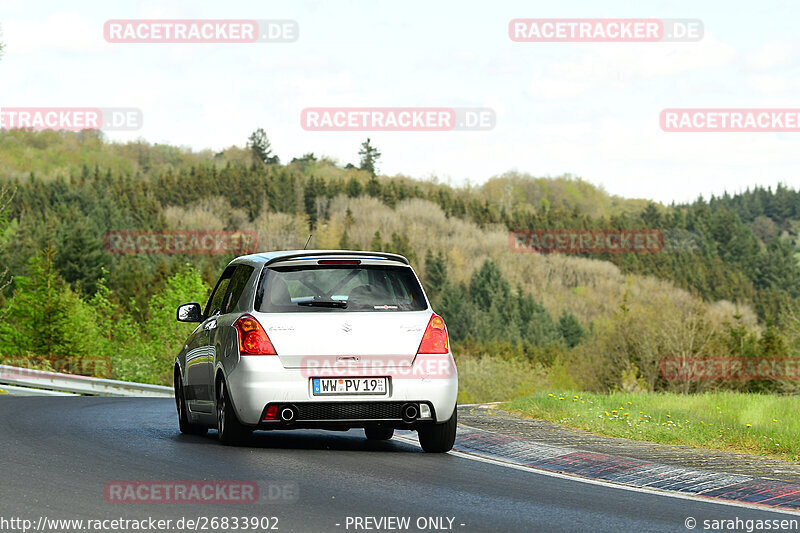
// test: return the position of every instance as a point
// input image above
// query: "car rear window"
(311, 289)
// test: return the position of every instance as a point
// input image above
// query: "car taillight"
(253, 340)
(435, 338)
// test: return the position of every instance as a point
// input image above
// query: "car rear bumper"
(349, 414)
(258, 381)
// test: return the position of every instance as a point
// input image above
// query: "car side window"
(215, 302)
(237, 285)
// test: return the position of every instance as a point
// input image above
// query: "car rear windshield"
(312, 289)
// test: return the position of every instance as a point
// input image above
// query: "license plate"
(323, 386)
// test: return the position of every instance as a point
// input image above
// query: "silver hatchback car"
(324, 339)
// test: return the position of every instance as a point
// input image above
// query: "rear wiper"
(339, 304)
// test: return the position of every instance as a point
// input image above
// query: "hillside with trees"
(726, 284)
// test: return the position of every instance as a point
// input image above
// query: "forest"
(725, 284)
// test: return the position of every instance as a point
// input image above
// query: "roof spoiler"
(337, 253)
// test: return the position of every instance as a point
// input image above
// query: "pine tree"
(536, 326)
(487, 284)
(260, 147)
(570, 329)
(651, 217)
(45, 317)
(310, 202)
(369, 157)
(377, 243)
(349, 220)
(374, 188)
(80, 257)
(344, 242)
(354, 187)
(389, 195)
(458, 312)
(6, 195)
(400, 245)
(435, 273)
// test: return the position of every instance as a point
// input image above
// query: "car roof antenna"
(308, 241)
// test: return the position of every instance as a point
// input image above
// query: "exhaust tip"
(410, 412)
(288, 414)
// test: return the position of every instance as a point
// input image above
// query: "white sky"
(590, 109)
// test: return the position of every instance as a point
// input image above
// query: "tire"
(231, 431)
(185, 426)
(439, 438)
(378, 433)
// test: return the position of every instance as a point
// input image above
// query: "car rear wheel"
(378, 433)
(231, 431)
(439, 438)
(183, 414)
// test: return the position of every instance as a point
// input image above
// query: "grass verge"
(483, 378)
(744, 422)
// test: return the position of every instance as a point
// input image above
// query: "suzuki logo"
(347, 327)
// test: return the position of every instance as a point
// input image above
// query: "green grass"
(750, 423)
(490, 379)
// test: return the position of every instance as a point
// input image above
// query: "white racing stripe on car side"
(474, 457)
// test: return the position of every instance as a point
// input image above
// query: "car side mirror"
(190, 313)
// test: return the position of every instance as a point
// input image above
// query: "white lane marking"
(655, 492)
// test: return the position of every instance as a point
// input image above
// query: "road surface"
(58, 454)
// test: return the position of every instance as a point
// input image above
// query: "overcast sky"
(589, 109)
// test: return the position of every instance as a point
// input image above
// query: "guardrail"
(15, 380)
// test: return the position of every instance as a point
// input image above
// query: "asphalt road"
(57, 454)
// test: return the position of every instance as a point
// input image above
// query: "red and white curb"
(622, 472)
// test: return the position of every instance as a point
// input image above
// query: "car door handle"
(212, 324)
